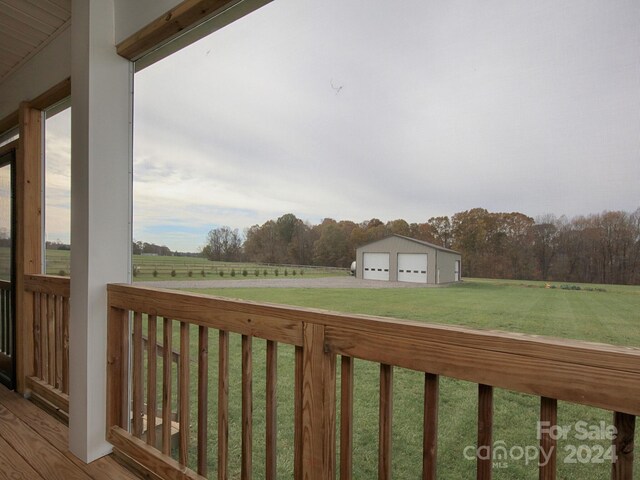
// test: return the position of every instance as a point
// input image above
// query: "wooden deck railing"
(6, 325)
(145, 411)
(583, 373)
(50, 374)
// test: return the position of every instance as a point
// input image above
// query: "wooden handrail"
(584, 373)
(587, 373)
(49, 284)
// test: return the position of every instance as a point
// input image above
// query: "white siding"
(376, 266)
(412, 267)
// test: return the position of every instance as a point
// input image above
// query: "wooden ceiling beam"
(9, 122)
(52, 96)
(182, 17)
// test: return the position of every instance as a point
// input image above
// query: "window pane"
(353, 111)
(58, 192)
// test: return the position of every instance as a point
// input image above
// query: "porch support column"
(29, 234)
(101, 90)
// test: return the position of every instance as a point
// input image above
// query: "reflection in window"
(5, 223)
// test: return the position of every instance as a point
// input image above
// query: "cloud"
(362, 109)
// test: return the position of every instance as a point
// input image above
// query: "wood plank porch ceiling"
(27, 27)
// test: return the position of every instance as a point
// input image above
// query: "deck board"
(34, 445)
(14, 467)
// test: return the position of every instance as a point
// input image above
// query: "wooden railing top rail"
(600, 375)
(5, 285)
(49, 284)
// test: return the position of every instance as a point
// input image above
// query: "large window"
(310, 128)
(353, 112)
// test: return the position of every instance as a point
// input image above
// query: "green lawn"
(610, 316)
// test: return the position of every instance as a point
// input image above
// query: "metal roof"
(26, 26)
(421, 242)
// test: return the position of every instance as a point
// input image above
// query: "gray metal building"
(402, 259)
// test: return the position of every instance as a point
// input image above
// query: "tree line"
(146, 248)
(598, 248)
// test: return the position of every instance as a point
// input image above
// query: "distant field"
(196, 268)
(610, 316)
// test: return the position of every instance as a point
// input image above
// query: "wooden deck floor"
(34, 446)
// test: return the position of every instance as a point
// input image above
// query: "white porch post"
(100, 212)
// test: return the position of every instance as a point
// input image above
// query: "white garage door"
(375, 266)
(412, 267)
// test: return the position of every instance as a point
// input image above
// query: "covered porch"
(130, 367)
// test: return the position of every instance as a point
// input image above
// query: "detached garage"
(403, 259)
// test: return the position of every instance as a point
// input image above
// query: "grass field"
(196, 268)
(611, 316)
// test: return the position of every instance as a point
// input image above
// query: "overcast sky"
(58, 177)
(360, 108)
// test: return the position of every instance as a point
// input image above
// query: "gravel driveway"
(326, 282)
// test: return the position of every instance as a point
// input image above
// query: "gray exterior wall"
(437, 259)
(447, 265)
